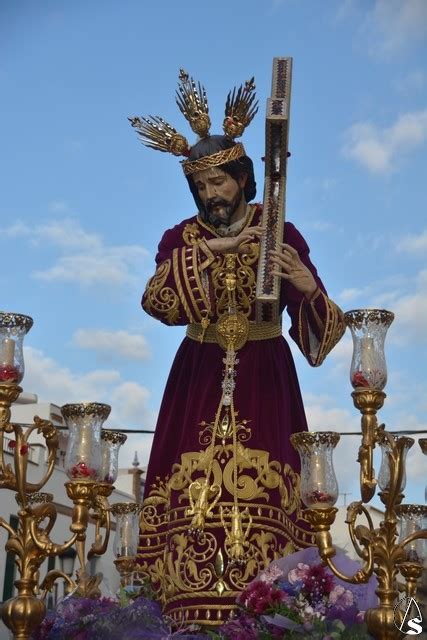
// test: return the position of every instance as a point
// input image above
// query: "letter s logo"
(414, 627)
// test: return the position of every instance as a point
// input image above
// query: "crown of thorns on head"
(240, 108)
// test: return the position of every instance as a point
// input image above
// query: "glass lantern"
(319, 486)
(111, 441)
(412, 520)
(13, 328)
(368, 329)
(401, 443)
(127, 528)
(83, 456)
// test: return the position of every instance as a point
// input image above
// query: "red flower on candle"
(81, 470)
(359, 380)
(319, 496)
(11, 444)
(24, 449)
(9, 373)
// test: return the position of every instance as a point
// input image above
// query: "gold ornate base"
(23, 613)
(381, 625)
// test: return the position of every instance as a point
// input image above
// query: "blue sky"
(83, 204)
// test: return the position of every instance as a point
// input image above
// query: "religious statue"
(222, 488)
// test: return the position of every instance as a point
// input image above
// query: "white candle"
(318, 470)
(126, 536)
(7, 351)
(367, 354)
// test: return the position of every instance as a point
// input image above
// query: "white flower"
(271, 574)
(299, 573)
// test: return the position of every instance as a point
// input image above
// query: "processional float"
(92, 468)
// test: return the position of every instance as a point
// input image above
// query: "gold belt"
(260, 331)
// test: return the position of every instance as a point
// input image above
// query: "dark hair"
(212, 144)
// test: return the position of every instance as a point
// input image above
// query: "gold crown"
(192, 101)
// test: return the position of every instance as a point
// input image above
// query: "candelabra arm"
(17, 480)
(50, 434)
(83, 494)
(102, 517)
(50, 579)
(7, 526)
(40, 536)
(361, 576)
(353, 510)
(43, 543)
(368, 401)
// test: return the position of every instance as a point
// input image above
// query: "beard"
(220, 211)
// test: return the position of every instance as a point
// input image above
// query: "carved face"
(220, 194)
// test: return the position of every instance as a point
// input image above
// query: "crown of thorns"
(240, 108)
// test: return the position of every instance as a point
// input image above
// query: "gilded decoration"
(159, 298)
(331, 330)
(187, 567)
(245, 272)
(191, 233)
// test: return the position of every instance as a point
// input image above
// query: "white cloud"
(411, 317)
(129, 401)
(16, 230)
(110, 267)
(113, 344)
(347, 295)
(414, 243)
(391, 26)
(86, 260)
(378, 149)
(57, 384)
(66, 234)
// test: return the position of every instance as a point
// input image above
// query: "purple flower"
(243, 627)
(341, 597)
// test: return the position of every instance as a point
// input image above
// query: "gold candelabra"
(382, 551)
(91, 469)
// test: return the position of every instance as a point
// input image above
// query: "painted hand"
(288, 265)
(236, 244)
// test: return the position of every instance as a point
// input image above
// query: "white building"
(127, 489)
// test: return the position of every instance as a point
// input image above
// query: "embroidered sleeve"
(320, 326)
(318, 323)
(176, 294)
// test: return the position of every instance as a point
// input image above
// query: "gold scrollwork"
(159, 298)
(191, 233)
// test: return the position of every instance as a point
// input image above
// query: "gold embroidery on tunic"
(245, 280)
(191, 233)
(179, 285)
(183, 568)
(159, 298)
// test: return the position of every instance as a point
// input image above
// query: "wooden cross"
(273, 217)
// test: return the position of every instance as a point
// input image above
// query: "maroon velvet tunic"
(195, 577)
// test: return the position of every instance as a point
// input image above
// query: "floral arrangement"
(301, 600)
(295, 597)
(78, 618)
